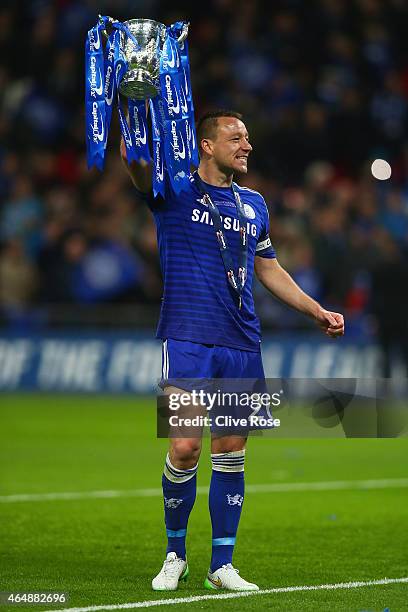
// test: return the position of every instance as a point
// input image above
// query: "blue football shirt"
(198, 302)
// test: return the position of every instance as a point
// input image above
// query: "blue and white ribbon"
(187, 90)
(157, 116)
(95, 97)
(121, 67)
(138, 129)
(175, 107)
(110, 81)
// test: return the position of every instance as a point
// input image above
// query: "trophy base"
(138, 84)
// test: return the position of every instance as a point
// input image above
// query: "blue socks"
(225, 501)
(179, 491)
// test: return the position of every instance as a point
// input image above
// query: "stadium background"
(323, 85)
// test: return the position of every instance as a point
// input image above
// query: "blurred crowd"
(323, 86)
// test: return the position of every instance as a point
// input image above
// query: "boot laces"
(170, 568)
(229, 566)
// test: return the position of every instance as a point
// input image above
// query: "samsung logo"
(228, 223)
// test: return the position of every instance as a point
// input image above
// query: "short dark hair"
(208, 123)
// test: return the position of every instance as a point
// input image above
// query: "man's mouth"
(242, 157)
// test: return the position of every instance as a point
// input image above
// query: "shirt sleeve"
(264, 246)
(155, 203)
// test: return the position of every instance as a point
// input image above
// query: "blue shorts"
(192, 366)
(183, 360)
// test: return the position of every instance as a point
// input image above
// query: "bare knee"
(185, 452)
(227, 444)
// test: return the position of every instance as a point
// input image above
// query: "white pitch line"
(290, 589)
(277, 487)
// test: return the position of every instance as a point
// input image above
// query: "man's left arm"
(275, 278)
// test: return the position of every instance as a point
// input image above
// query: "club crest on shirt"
(249, 211)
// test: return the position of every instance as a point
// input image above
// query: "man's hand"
(123, 152)
(332, 323)
(140, 172)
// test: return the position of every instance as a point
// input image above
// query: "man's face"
(231, 147)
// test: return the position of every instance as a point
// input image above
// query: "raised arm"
(139, 172)
(271, 274)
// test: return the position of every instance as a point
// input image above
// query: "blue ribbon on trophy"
(94, 97)
(158, 137)
(188, 93)
(145, 61)
(110, 83)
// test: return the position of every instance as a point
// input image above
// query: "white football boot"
(174, 569)
(227, 577)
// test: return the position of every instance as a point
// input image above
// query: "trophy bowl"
(141, 80)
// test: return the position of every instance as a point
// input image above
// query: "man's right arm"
(139, 172)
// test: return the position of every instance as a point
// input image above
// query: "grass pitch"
(106, 550)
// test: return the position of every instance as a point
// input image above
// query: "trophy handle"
(184, 33)
(104, 30)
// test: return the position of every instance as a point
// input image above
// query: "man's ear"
(207, 146)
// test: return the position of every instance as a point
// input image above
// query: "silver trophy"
(141, 81)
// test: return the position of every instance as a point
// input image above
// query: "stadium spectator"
(390, 301)
(22, 215)
(18, 277)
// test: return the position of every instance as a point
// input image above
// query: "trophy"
(142, 78)
(146, 62)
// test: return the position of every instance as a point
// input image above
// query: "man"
(211, 239)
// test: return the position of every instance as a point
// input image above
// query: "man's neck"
(214, 176)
